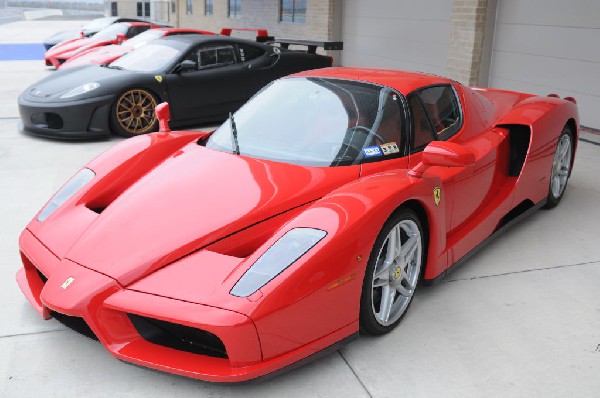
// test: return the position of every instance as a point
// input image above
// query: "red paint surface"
(167, 227)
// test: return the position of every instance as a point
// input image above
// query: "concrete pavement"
(521, 318)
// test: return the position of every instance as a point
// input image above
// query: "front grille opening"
(47, 120)
(178, 337)
(75, 323)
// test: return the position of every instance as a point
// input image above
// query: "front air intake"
(178, 337)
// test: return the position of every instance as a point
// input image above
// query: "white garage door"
(397, 34)
(550, 46)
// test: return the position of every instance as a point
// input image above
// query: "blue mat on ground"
(21, 51)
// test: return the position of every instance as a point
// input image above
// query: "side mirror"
(186, 65)
(163, 114)
(121, 38)
(443, 153)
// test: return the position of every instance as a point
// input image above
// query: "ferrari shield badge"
(67, 282)
(437, 195)
(158, 78)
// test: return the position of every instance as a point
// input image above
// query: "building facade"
(537, 46)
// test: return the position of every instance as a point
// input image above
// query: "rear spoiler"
(570, 99)
(262, 35)
(311, 44)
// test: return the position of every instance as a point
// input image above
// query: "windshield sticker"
(371, 151)
(389, 148)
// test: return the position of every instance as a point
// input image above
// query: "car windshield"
(315, 122)
(98, 24)
(144, 38)
(110, 32)
(148, 58)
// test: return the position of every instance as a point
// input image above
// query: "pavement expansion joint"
(33, 333)
(589, 141)
(355, 374)
(521, 271)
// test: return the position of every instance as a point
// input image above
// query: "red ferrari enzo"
(106, 54)
(113, 34)
(311, 214)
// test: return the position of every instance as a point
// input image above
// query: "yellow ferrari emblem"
(397, 272)
(437, 195)
(158, 78)
(67, 282)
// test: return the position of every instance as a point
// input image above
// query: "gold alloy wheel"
(135, 112)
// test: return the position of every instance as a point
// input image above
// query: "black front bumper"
(82, 119)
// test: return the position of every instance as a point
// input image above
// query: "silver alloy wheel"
(561, 166)
(396, 274)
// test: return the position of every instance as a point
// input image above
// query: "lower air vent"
(178, 337)
(75, 323)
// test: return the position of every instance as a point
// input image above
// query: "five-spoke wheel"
(561, 168)
(392, 273)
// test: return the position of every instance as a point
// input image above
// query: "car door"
(260, 62)
(210, 91)
(466, 191)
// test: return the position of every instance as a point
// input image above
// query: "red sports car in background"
(113, 34)
(106, 54)
(311, 214)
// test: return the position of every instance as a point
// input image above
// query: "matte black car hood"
(52, 87)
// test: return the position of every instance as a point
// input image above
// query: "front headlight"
(84, 88)
(75, 183)
(289, 248)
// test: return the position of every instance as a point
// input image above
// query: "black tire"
(133, 114)
(372, 297)
(561, 169)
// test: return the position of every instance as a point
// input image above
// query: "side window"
(443, 110)
(136, 30)
(248, 52)
(215, 56)
(422, 133)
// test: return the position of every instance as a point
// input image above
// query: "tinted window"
(316, 122)
(248, 52)
(110, 33)
(443, 110)
(144, 38)
(148, 58)
(422, 134)
(136, 30)
(213, 56)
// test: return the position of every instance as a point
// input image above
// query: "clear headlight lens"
(75, 183)
(289, 248)
(84, 88)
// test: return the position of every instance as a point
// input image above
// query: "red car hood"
(190, 200)
(97, 55)
(76, 44)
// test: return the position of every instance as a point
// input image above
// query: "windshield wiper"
(114, 67)
(236, 145)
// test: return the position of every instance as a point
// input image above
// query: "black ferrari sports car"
(86, 30)
(202, 77)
